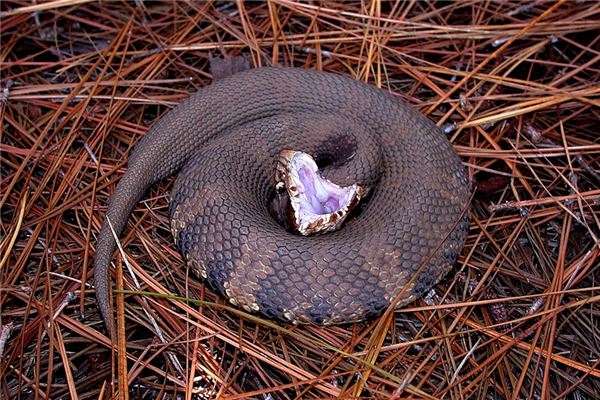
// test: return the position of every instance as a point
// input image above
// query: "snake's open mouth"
(317, 205)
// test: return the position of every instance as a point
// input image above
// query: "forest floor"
(514, 85)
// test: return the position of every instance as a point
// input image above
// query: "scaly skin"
(227, 136)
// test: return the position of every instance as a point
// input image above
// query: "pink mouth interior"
(318, 196)
(318, 204)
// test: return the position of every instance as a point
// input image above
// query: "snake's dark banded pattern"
(226, 138)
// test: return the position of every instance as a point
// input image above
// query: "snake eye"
(317, 205)
(280, 187)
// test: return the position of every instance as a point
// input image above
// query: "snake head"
(316, 205)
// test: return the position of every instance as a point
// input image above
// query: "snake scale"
(225, 140)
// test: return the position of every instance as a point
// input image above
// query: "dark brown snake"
(226, 138)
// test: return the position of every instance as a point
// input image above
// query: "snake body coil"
(225, 139)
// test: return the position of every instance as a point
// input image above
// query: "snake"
(375, 191)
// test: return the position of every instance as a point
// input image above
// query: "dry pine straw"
(514, 84)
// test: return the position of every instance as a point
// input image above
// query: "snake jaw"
(316, 204)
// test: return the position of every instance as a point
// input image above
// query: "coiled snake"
(227, 139)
